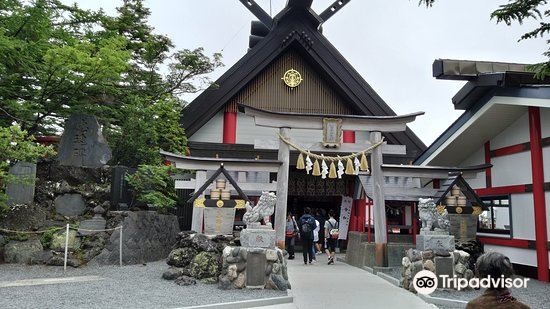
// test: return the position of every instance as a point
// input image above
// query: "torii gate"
(373, 124)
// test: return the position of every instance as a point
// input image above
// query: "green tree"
(58, 59)
(519, 11)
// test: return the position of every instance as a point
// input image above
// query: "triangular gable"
(296, 31)
(459, 181)
(314, 95)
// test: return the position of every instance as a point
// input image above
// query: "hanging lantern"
(364, 164)
(316, 169)
(332, 172)
(300, 163)
(349, 167)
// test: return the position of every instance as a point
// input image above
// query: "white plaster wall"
(247, 132)
(523, 216)
(545, 128)
(512, 169)
(545, 121)
(476, 158)
(516, 133)
(516, 255)
(211, 132)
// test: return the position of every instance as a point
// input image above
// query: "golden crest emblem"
(458, 210)
(219, 203)
(292, 78)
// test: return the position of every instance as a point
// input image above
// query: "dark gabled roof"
(297, 29)
(459, 181)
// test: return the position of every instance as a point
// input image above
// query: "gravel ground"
(135, 286)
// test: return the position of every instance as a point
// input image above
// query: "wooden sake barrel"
(461, 201)
(215, 194)
(455, 191)
(220, 184)
(451, 200)
(226, 194)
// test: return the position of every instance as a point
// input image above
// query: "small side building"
(506, 123)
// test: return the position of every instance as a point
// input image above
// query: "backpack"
(306, 226)
(334, 232)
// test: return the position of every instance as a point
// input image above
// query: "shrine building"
(326, 84)
(506, 123)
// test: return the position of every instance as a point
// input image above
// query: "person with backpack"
(331, 228)
(307, 225)
(290, 235)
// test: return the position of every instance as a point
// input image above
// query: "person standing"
(290, 235)
(307, 225)
(320, 242)
(331, 228)
(315, 240)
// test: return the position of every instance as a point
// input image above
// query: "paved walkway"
(342, 286)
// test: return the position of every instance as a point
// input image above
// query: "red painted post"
(348, 136)
(229, 127)
(537, 164)
(361, 216)
(488, 177)
(369, 236)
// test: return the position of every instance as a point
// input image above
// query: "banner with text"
(345, 214)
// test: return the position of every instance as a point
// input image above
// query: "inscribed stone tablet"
(82, 143)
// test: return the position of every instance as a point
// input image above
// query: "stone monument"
(82, 143)
(21, 191)
(96, 223)
(257, 264)
(255, 234)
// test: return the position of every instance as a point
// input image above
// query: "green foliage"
(16, 146)
(153, 185)
(47, 236)
(57, 59)
(17, 237)
(519, 11)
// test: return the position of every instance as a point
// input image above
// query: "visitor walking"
(307, 225)
(495, 265)
(320, 242)
(331, 228)
(290, 235)
(315, 240)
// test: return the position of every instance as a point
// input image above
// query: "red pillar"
(537, 164)
(488, 177)
(361, 214)
(229, 127)
(369, 236)
(348, 136)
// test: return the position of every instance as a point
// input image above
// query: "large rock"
(58, 241)
(181, 257)
(22, 252)
(202, 243)
(205, 265)
(146, 236)
(24, 217)
(172, 273)
(70, 205)
(185, 281)
(82, 143)
(21, 192)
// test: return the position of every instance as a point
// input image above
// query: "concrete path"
(342, 286)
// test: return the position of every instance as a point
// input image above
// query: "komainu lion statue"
(263, 210)
(432, 219)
